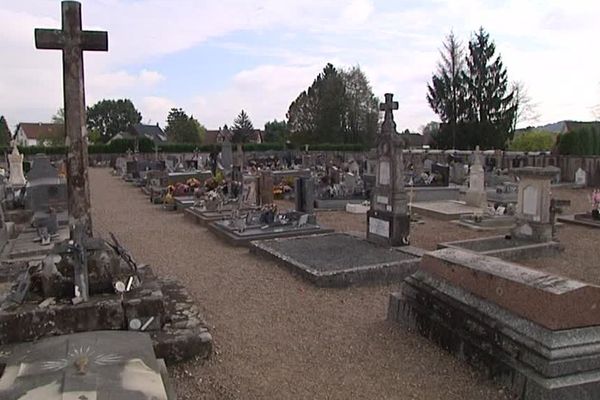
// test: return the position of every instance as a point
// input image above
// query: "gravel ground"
(278, 337)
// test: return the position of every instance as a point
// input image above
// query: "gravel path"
(276, 336)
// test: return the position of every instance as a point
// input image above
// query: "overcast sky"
(215, 57)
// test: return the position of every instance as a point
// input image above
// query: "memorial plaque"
(379, 227)
(382, 199)
(530, 201)
(384, 173)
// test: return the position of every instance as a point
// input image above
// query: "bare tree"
(526, 109)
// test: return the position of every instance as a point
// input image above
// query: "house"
(136, 131)
(39, 134)
(215, 136)
(561, 127)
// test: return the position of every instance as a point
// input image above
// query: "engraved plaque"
(379, 227)
(384, 172)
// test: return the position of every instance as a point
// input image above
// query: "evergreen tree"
(242, 128)
(472, 97)
(183, 129)
(5, 134)
(491, 109)
(446, 93)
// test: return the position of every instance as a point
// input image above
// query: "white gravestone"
(15, 161)
(580, 177)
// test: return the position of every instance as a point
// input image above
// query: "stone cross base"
(535, 231)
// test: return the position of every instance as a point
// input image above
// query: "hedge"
(121, 146)
(580, 142)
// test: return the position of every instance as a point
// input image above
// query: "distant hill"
(561, 126)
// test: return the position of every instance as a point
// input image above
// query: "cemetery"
(382, 268)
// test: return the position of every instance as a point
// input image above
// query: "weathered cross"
(73, 41)
(388, 126)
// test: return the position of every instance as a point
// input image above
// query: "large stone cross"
(72, 40)
(388, 126)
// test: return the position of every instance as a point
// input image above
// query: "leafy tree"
(491, 109)
(5, 134)
(430, 132)
(533, 141)
(59, 117)
(110, 117)
(447, 91)
(242, 128)
(338, 107)
(183, 129)
(276, 131)
(361, 107)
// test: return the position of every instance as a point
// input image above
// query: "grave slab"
(546, 299)
(95, 365)
(444, 210)
(583, 219)
(24, 247)
(237, 238)
(506, 247)
(338, 259)
(533, 362)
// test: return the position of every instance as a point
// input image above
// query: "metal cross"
(72, 40)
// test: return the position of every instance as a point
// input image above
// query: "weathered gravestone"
(72, 41)
(46, 191)
(304, 194)
(226, 155)
(534, 221)
(266, 187)
(15, 163)
(476, 195)
(580, 178)
(388, 221)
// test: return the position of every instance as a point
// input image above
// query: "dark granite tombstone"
(45, 188)
(304, 194)
(388, 221)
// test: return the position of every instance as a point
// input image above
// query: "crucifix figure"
(389, 126)
(72, 40)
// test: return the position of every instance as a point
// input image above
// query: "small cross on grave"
(72, 40)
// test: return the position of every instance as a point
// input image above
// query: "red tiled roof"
(38, 130)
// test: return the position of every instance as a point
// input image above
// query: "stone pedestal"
(476, 195)
(533, 205)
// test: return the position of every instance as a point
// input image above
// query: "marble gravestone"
(388, 220)
(15, 162)
(476, 195)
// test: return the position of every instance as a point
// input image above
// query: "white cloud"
(547, 45)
